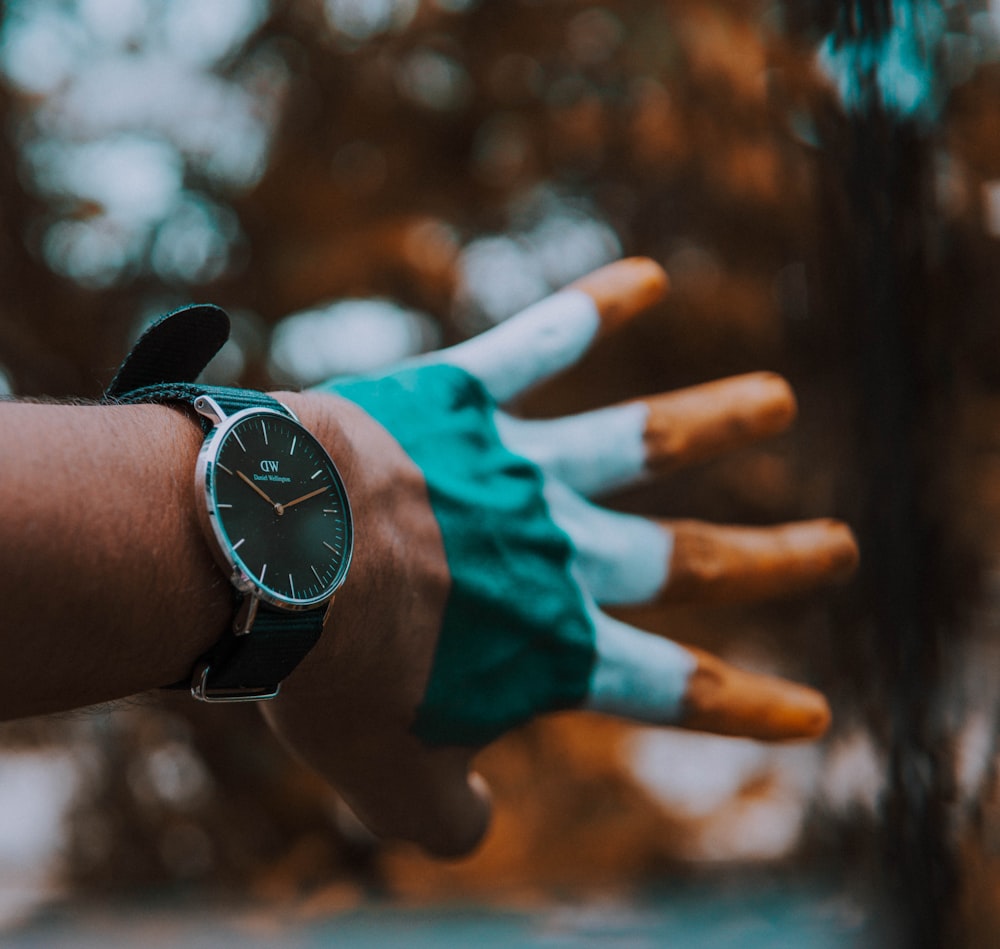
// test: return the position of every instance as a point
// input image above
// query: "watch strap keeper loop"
(249, 665)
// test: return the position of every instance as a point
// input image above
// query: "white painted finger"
(637, 675)
(621, 559)
(614, 447)
(538, 342)
(593, 453)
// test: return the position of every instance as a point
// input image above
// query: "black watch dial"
(278, 507)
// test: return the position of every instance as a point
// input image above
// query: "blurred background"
(357, 181)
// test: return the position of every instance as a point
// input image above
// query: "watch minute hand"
(240, 474)
(305, 497)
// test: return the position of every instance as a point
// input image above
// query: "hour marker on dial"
(239, 441)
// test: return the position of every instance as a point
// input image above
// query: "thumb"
(431, 799)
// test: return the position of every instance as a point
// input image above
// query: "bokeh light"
(349, 337)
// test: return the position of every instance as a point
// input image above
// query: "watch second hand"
(305, 497)
(278, 507)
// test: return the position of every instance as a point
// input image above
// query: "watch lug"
(245, 615)
(208, 408)
(329, 610)
(241, 581)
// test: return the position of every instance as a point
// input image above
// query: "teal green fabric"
(516, 638)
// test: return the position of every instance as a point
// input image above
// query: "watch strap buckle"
(201, 690)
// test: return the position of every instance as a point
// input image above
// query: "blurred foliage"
(458, 160)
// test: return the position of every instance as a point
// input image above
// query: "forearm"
(109, 584)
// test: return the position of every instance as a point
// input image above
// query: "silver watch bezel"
(225, 556)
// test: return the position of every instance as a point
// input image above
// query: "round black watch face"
(278, 508)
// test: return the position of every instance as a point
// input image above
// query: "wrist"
(335, 424)
(236, 666)
(398, 583)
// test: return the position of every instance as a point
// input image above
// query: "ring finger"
(623, 559)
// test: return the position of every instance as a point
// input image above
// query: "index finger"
(554, 333)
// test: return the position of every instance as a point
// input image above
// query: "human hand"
(481, 566)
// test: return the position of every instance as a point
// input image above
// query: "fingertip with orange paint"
(845, 555)
(771, 396)
(624, 289)
(827, 546)
(725, 700)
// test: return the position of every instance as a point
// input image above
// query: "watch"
(270, 500)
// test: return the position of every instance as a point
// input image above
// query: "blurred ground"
(756, 919)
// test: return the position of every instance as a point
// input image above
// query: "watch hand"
(305, 497)
(277, 507)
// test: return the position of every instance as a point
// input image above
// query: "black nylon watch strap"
(176, 348)
(260, 659)
(230, 400)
